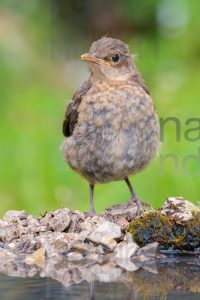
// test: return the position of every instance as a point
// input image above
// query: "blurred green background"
(40, 46)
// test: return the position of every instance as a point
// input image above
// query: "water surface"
(170, 278)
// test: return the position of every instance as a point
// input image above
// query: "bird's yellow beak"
(91, 58)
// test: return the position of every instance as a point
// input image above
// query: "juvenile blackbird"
(111, 127)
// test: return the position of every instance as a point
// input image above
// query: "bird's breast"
(117, 133)
(114, 110)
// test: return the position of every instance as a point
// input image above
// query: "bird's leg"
(135, 199)
(91, 297)
(92, 211)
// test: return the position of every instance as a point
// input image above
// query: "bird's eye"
(115, 58)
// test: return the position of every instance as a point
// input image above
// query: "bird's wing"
(145, 88)
(71, 112)
(138, 79)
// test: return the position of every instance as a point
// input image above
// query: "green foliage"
(35, 88)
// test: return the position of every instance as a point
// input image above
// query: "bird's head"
(110, 59)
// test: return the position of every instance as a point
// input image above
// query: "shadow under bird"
(111, 127)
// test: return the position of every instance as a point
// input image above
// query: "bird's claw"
(139, 204)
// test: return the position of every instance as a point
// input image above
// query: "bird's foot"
(92, 213)
(139, 204)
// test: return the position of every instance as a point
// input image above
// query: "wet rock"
(28, 225)
(94, 257)
(45, 219)
(77, 218)
(6, 255)
(150, 250)
(128, 238)
(80, 214)
(9, 263)
(15, 215)
(126, 210)
(99, 249)
(83, 248)
(83, 235)
(26, 244)
(179, 209)
(71, 237)
(120, 214)
(74, 256)
(8, 232)
(105, 233)
(99, 238)
(55, 243)
(60, 220)
(125, 251)
(91, 224)
(121, 222)
(110, 229)
(36, 258)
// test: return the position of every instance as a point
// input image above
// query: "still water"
(12, 288)
(170, 278)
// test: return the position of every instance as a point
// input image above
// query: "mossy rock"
(168, 231)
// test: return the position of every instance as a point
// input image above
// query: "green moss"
(168, 232)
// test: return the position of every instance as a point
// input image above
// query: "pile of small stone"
(69, 242)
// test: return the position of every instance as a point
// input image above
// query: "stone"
(8, 232)
(14, 215)
(36, 258)
(71, 237)
(82, 236)
(99, 249)
(128, 238)
(121, 214)
(91, 224)
(110, 229)
(54, 243)
(125, 251)
(105, 233)
(77, 218)
(179, 208)
(93, 257)
(123, 223)
(83, 248)
(150, 250)
(79, 214)
(74, 256)
(45, 219)
(60, 220)
(99, 238)
(27, 244)
(6, 255)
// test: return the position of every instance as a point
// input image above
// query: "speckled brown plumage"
(111, 126)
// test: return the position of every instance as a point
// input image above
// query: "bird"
(111, 128)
